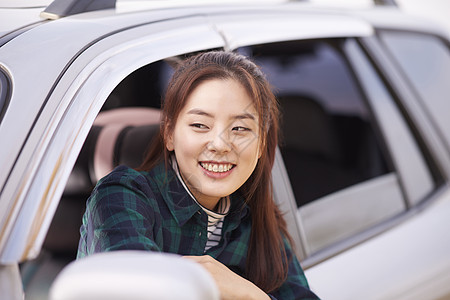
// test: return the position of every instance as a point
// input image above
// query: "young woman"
(204, 190)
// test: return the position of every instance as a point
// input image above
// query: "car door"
(53, 137)
(351, 165)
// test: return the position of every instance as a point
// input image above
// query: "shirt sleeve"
(296, 286)
(119, 216)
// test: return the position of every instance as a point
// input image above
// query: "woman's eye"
(199, 126)
(241, 129)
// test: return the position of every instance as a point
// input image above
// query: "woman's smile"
(216, 167)
(217, 170)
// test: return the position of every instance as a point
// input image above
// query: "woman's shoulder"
(122, 175)
(127, 177)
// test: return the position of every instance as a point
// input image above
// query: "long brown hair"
(266, 257)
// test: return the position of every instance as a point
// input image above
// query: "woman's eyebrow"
(197, 111)
(245, 116)
(200, 112)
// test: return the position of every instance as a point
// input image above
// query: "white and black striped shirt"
(215, 218)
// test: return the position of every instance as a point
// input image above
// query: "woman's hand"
(231, 286)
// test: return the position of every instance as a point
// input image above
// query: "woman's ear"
(261, 148)
(169, 139)
(169, 143)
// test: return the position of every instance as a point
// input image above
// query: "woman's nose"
(220, 142)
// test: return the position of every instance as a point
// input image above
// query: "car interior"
(312, 151)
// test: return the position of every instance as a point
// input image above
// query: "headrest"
(118, 136)
(125, 137)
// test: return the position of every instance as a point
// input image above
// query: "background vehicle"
(364, 164)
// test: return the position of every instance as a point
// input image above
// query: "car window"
(425, 61)
(143, 87)
(4, 93)
(327, 137)
(341, 177)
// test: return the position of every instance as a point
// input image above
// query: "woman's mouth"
(216, 167)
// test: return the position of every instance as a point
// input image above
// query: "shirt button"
(199, 234)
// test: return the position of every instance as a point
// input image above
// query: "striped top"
(215, 218)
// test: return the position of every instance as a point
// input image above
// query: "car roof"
(16, 14)
(20, 14)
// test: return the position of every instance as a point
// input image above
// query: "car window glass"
(425, 61)
(327, 140)
(329, 146)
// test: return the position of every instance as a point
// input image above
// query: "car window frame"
(435, 115)
(77, 99)
(287, 27)
(376, 90)
(436, 152)
(5, 92)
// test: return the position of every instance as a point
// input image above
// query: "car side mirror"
(134, 275)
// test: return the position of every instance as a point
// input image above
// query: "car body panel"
(10, 282)
(13, 17)
(334, 278)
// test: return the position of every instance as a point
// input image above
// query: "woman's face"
(216, 140)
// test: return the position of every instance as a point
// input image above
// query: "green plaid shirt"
(152, 211)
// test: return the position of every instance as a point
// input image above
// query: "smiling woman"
(216, 145)
(204, 190)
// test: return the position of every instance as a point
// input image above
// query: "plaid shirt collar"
(179, 202)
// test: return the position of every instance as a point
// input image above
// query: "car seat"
(118, 136)
(311, 149)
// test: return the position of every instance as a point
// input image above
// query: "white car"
(363, 167)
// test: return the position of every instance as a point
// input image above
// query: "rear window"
(337, 164)
(425, 62)
(4, 94)
(326, 125)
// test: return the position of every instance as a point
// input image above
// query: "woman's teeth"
(216, 167)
